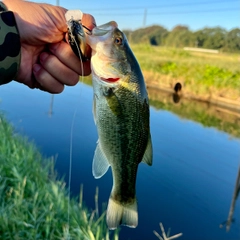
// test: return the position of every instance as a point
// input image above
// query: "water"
(191, 184)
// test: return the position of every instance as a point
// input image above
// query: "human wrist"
(9, 45)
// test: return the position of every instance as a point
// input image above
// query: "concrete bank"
(221, 102)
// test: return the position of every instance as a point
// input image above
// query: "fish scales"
(119, 131)
(121, 113)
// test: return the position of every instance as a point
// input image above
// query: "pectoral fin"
(100, 163)
(147, 158)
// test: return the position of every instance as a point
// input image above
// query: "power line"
(173, 12)
(199, 11)
(160, 6)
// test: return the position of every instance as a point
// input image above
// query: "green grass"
(34, 203)
(202, 74)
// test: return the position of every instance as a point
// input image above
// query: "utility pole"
(145, 17)
(57, 2)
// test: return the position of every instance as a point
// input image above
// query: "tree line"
(180, 36)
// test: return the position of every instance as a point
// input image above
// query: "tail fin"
(118, 214)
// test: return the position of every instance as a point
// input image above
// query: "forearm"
(9, 46)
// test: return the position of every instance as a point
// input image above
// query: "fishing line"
(71, 135)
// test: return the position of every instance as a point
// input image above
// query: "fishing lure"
(76, 35)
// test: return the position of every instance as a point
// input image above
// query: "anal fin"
(147, 157)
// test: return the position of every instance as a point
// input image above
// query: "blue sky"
(136, 14)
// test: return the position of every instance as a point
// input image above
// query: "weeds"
(202, 74)
(34, 203)
(164, 235)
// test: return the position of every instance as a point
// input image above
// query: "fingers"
(88, 21)
(52, 74)
(64, 53)
(61, 66)
(45, 81)
(58, 70)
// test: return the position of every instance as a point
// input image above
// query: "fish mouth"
(101, 37)
(104, 29)
(100, 34)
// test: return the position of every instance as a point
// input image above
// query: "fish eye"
(118, 40)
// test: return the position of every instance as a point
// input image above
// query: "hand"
(47, 61)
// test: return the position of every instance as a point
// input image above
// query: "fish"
(122, 116)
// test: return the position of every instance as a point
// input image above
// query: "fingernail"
(36, 68)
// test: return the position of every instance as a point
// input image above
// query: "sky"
(131, 15)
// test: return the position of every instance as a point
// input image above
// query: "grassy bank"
(201, 112)
(201, 74)
(34, 204)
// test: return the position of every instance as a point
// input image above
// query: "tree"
(158, 36)
(180, 36)
(200, 37)
(232, 43)
(154, 35)
(216, 38)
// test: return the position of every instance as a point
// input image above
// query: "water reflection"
(210, 116)
(230, 218)
(196, 156)
(176, 97)
(177, 92)
(50, 111)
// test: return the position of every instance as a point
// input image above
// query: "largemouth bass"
(121, 113)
